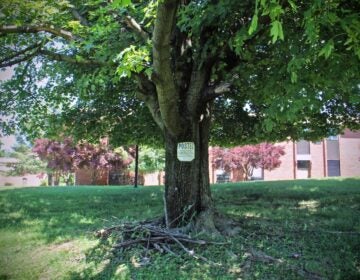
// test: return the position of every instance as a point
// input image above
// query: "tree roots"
(153, 236)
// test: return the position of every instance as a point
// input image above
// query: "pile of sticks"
(154, 237)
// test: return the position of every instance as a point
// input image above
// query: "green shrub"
(43, 183)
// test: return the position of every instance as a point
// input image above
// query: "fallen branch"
(152, 236)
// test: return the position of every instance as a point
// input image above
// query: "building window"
(223, 178)
(303, 164)
(333, 137)
(258, 174)
(303, 147)
(333, 167)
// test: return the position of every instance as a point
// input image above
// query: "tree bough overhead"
(229, 72)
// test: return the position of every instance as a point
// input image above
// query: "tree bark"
(50, 179)
(56, 178)
(187, 187)
(183, 117)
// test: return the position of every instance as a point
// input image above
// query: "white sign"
(186, 151)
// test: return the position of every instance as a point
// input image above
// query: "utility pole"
(136, 165)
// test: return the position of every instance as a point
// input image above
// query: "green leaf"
(268, 125)
(238, 41)
(327, 49)
(275, 10)
(276, 31)
(294, 77)
(121, 3)
(148, 72)
(293, 5)
(253, 25)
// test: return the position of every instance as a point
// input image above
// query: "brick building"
(26, 180)
(333, 156)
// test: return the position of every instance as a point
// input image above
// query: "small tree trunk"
(50, 179)
(94, 175)
(56, 179)
(68, 179)
(246, 173)
(187, 187)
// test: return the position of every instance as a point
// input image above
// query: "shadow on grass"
(101, 263)
(68, 212)
(281, 218)
(318, 221)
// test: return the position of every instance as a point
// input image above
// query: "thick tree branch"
(168, 95)
(5, 29)
(17, 61)
(222, 88)
(79, 17)
(215, 91)
(153, 106)
(20, 57)
(132, 24)
(147, 93)
(73, 60)
(10, 60)
(199, 81)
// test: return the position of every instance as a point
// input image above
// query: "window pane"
(303, 147)
(303, 164)
(333, 168)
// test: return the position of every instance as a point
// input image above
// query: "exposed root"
(155, 236)
(205, 224)
(215, 225)
(255, 255)
(226, 225)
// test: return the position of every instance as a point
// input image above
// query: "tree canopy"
(152, 159)
(90, 68)
(173, 71)
(27, 161)
(65, 157)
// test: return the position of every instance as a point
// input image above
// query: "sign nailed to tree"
(186, 151)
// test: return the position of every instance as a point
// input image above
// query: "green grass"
(47, 232)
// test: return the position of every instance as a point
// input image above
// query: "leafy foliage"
(293, 67)
(98, 158)
(27, 162)
(151, 159)
(247, 158)
(59, 155)
(65, 157)
(2, 152)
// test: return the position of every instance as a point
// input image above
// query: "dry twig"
(152, 236)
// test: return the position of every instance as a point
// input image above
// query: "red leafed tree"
(247, 158)
(63, 158)
(59, 157)
(99, 159)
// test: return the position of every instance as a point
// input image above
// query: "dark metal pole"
(136, 165)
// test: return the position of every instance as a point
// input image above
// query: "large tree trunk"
(187, 187)
(177, 97)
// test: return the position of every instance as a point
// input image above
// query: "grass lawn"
(310, 228)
